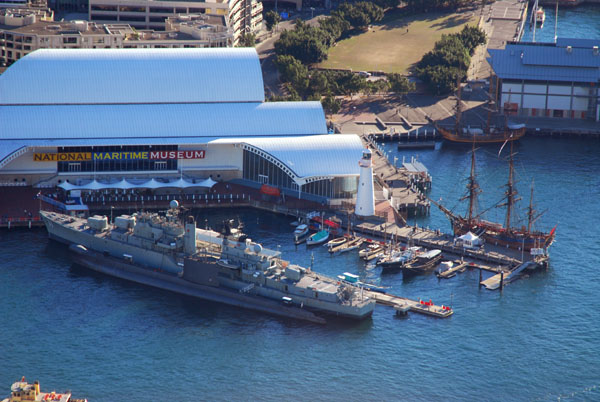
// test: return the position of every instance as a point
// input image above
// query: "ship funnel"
(189, 238)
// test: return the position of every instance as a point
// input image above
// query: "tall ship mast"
(524, 238)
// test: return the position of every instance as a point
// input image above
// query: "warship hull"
(252, 277)
(130, 272)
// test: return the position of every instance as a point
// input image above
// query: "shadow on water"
(191, 309)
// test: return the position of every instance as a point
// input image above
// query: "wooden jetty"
(416, 145)
(402, 304)
(461, 267)
(436, 240)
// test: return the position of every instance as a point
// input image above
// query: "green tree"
(471, 37)
(331, 104)
(271, 19)
(400, 84)
(247, 40)
(293, 71)
(304, 42)
(360, 14)
(441, 79)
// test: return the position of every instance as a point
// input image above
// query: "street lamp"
(312, 10)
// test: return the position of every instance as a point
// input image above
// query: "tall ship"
(487, 134)
(161, 250)
(519, 238)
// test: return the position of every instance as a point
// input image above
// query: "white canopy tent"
(126, 185)
(470, 240)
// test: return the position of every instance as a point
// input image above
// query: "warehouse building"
(549, 79)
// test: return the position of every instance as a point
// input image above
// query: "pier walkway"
(404, 188)
(492, 258)
(403, 305)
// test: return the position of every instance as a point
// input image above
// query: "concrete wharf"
(404, 188)
(402, 304)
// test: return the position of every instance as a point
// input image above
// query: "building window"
(103, 8)
(132, 9)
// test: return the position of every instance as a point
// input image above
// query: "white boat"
(301, 230)
(351, 244)
(372, 251)
(301, 233)
(338, 241)
(540, 16)
(317, 238)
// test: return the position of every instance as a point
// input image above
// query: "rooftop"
(128, 76)
(579, 62)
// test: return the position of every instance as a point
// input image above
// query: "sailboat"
(479, 135)
(524, 238)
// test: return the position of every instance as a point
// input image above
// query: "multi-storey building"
(245, 16)
(27, 34)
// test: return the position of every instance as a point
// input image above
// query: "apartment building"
(244, 15)
(28, 32)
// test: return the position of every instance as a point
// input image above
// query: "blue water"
(581, 22)
(109, 340)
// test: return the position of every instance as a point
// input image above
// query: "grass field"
(389, 47)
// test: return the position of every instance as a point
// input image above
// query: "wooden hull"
(416, 268)
(496, 235)
(508, 135)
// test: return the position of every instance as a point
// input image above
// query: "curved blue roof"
(121, 76)
(95, 124)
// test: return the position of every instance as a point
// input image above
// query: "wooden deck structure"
(403, 304)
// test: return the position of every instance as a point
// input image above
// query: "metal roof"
(545, 63)
(310, 156)
(107, 76)
(98, 124)
(577, 42)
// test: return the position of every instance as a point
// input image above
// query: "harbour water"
(582, 22)
(109, 340)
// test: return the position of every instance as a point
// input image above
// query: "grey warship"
(227, 267)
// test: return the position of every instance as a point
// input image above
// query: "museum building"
(167, 115)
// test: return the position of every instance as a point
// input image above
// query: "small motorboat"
(301, 233)
(540, 17)
(317, 238)
(301, 230)
(372, 251)
(398, 259)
